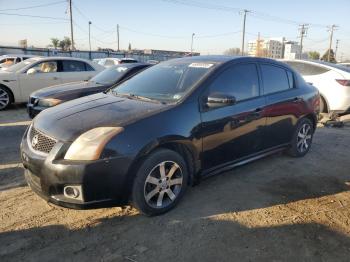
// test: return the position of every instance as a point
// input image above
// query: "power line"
(31, 7)
(34, 16)
(256, 14)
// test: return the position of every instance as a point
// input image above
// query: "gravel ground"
(276, 209)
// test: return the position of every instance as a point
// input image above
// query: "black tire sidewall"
(145, 167)
(9, 95)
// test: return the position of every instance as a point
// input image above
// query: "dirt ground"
(276, 209)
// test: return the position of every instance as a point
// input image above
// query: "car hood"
(64, 90)
(67, 121)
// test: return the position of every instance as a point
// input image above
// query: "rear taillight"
(343, 82)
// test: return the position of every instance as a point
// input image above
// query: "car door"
(233, 132)
(72, 71)
(283, 104)
(40, 75)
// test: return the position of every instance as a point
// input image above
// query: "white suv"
(332, 80)
(20, 80)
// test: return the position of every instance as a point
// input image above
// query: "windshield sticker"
(121, 69)
(200, 65)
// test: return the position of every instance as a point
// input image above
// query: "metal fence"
(138, 55)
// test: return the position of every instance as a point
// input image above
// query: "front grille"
(39, 141)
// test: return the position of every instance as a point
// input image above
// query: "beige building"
(272, 48)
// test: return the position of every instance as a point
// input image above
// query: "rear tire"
(160, 182)
(302, 138)
(5, 98)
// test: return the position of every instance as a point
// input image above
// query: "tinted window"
(73, 66)
(307, 69)
(127, 61)
(89, 67)
(110, 75)
(290, 79)
(240, 81)
(46, 67)
(275, 79)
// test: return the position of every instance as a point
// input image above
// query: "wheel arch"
(326, 103)
(12, 97)
(177, 144)
(313, 118)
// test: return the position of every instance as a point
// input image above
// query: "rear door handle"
(55, 78)
(297, 99)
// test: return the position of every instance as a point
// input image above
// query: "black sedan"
(145, 141)
(54, 95)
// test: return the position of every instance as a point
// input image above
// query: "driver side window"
(240, 81)
(45, 67)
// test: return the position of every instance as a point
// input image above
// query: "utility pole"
(89, 39)
(192, 43)
(303, 32)
(71, 23)
(336, 49)
(258, 46)
(331, 30)
(118, 36)
(245, 11)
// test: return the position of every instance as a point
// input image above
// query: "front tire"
(302, 138)
(160, 182)
(5, 98)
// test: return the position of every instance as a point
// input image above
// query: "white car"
(22, 79)
(345, 64)
(9, 60)
(332, 80)
(107, 62)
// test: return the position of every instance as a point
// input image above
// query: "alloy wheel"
(304, 138)
(4, 98)
(163, 184)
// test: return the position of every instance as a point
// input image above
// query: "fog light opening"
(72, 191)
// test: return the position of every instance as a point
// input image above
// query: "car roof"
(130, 65)
(62, 58)
(221, 59)
(17, 55)
(328, 65)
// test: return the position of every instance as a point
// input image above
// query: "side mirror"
(31, 71)
(216, 100)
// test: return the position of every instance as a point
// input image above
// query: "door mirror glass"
(216, 100)
(31, 71)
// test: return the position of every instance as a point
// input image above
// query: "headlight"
(89, 145)
(49, 102)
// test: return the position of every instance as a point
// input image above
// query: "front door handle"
(55, 78)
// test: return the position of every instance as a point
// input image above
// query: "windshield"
(166, 82)
(110, 75)
(21, 65)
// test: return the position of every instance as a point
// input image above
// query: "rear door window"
(240, 81)
(73, 66)
(275, 79)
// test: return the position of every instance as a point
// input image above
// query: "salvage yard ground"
(276, 209)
